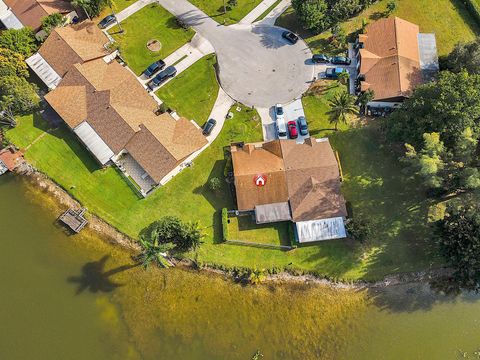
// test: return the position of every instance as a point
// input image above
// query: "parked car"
(107, 21)
(341, 60)
(320, 59)
(292, 129)
(281, 129)
(279, 114)
(208, 127)
(332, 73)
(155, 67)
(290, 36)
(302, 125)
(162, 76)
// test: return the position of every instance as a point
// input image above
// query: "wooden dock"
(74, 219)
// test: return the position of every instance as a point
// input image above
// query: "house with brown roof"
(16, 14)
(66, 46)
(115, 118)
(283, 180)
(393, 57)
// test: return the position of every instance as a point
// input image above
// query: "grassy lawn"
(374, 186)
(244, 228)
(317, 109)
(193, 93)
(152, 22)
(214, 9)
(448, 19)
(269, 10)
(118, 5)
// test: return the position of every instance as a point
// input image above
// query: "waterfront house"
(393, 57)
(282, 180)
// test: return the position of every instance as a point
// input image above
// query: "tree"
(342, 105)
(359, 229)
(110, 5)
(459, 241)
(312, 14)
(52, 21)
(18, 95)
(391, 7)
(21, 41)
(343, 77)
(85, 5)
(465, 56)
(232, 3)
(364, 98)
(12, 64)
(256, 276)
(153, 252)
(214, 184)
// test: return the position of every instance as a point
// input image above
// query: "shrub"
(474, 9)
(214, 184)
(359, 229)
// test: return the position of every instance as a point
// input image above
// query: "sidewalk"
(275, 13)
(255, 13)
(132, 9)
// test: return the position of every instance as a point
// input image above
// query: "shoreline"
(110, 234)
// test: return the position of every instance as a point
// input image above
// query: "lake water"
(77, 297)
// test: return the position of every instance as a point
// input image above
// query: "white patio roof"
(44, 71)
(8, 18)
(318, 230)
(94, 142)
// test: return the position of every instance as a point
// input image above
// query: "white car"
(279, 114)
(282, 129)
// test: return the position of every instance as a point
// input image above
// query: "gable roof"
(121, 112)
(308, 173)
(31, 12)
(390, 59)
(73, 44)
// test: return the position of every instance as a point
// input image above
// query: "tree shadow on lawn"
(466, 16)
(394, 205)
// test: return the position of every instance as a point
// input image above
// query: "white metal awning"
(8, 18)
(44, 71)
(318, 230)
(272, 213)
(94, 142)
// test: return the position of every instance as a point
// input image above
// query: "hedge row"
(474, 9)
(225, 224)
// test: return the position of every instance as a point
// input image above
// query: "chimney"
(249, 148)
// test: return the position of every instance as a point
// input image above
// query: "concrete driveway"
(257, 67)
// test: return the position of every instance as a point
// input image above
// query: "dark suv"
(107, 21)
(290, 36)
(208, 127)
(152, 69)
(341, 60)
(320, 59)
(162, 76)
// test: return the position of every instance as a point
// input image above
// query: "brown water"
(67, 297)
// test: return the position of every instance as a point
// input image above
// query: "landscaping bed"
(194, 92)
(214, 9)
(151, 22)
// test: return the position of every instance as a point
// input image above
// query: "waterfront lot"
(244, 228)
(152, 22)
(214, 9)
(448, 19)
(193, 93)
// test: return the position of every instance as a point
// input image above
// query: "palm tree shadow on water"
(95, 278)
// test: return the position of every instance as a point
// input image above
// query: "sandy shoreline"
(112, 235)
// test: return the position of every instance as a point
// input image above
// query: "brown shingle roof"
(390, 59)
(74, 44)
(31, 12)
(121, 112)
(306, 174)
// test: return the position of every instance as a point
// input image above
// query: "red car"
(292, 129)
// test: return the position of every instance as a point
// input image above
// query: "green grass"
(152, 22)
(118, 5)
(317, 109)
(448, 19)
(374, 186)
(269, 10)
(214, 9)
(28, 129)
(193, 93)
(244, 228)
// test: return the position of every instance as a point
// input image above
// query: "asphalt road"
(257, 67)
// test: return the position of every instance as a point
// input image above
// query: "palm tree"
(364, 98)
(110, 5)
(342, 105)
(153, 252)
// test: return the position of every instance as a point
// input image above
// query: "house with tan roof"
(393, 57)
(115, 118)
(66, 46)
(16, 14)
(283, 180)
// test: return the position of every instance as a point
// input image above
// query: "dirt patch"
(154, 45)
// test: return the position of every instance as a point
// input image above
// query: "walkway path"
(259, 10)
(257, 67)
(271, 18)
